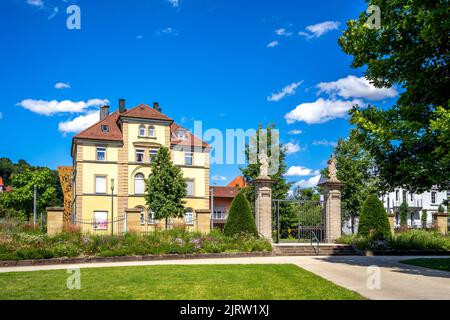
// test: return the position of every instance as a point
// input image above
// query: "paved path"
(397, 281)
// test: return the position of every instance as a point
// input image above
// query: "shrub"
(424, 219)
(373, 219)
(240, 217)
(441, 209)
(404, 215)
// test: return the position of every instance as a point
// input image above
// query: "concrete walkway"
(396, 280)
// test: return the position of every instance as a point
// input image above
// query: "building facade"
(112, 160)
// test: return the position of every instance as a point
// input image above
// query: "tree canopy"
(410, 141)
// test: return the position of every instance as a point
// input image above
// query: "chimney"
(122, 106)
(157, 107)
(104, 112)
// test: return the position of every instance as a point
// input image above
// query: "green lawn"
(174, 282)
(433, 263)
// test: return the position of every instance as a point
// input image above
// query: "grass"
(433, 263)
(174, 282)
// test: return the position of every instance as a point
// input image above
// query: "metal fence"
(117, 226)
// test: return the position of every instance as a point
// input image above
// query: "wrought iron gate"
(298, 220)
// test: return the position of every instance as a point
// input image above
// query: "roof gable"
(190, 140)
(143, 111)
(95, 131)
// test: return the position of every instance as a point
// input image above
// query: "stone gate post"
(332, 197)
(263, 206)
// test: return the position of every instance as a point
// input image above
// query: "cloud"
(354, 87)
(288, 90)
(299, 171)
(79, 123)
(62, 85)
(319, 29)
(139, 37)
(218, 178)
(54, 13)
(51, 107)
(295, 132)
(291, 148)
(36, 3)
(308, 183)
(167, 31)
(1, 116)
(282, 32)
(273, 44)
(325, 143)
(320, 111)
(174, 3)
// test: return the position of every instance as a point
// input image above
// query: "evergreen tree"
(373, 218)
(424, 218)
(240, 217)
(404, 215)
(166, 188)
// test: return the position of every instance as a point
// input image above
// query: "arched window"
(189, 216)
(142, 131)
(151, 131)
(139, 184)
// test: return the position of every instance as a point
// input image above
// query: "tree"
(21, 195)
(280, 188)
(356, 173)
(411, 49)
(424, 219)
(373, 219)
(240, 217)
(165, 188)
(404, 215)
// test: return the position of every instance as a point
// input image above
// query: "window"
(101, 153)
(142, 131)
(141, 215)
(219, 213)
(433, 197)
(139, 155)
(190, 187)
(139, 184)
(105, 128)
(100, 220)
(152, 154)
(188, 158)
(412, 197)
(151, 216)
(396, 195)
(189, 216)
(100, 184)
(151, 131)
(404, 196)
(181, 134)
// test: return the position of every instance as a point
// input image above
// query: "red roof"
(225, 192)
(95, 131)
(1, 181)
(190, 140)
(239, 181)
(145, 112)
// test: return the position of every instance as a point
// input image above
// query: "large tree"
(21, 195)
(166, 188)
(409, 141)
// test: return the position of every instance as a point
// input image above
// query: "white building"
(428, 201)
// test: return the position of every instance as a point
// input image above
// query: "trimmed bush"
(373, 219)
(404, 215)
(240, 217)
(424, 218)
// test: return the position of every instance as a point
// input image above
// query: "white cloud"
(139, 37)
(62, 85)
(291, 148)
(167, 31)
(325, 143)
(174, 3)
(51, 107)
(354, 87)
(288, 90)
(282, 32)
(295, 132)
(79, 123)
(54, 13)
(308, 183)
(299, 171)
(306, 35)
(273, 44)
(218, 178)
(320, 111)
(320, 29)
(36, 3)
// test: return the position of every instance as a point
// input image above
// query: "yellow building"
(112, 160)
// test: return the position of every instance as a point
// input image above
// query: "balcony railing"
(415, 203)
(219, 216)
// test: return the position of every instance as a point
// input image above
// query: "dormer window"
(181, 134)
(105, 128)
(142, 131)
(151, 131)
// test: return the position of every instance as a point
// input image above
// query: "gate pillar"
(332, 201)
(263, 206)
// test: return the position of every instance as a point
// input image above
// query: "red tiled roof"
(225, 192)
(145, 112)
(190, 140)
(95, 131)
(1, 181)
(239, 181)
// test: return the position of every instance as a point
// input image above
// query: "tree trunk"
(167, 223)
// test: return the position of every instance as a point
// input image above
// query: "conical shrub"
(240, 217)
(373, 219)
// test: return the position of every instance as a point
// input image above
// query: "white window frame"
(189, 213)
(100, 150)
(150, 155)
(433, 197)
(151, 216)
(187, 187)
(140, 151)
(151, 131)
(100, 220)
(187, 155)
(97, 184)
(141, 130)
(136, 180)
(219, 213)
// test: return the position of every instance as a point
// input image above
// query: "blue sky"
(229, 63)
